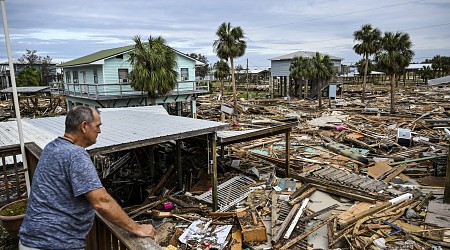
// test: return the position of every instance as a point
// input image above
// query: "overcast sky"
(66, 30)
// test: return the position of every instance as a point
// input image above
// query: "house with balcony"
(101, 80)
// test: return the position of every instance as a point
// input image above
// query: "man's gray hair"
(78, 115)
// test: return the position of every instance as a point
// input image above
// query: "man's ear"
(83, 126)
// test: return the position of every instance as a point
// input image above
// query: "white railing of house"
(98, 91)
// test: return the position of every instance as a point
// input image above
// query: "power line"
(329, 40)
(337, 15)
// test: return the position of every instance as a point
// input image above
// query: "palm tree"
(300, 69)
(426, 73)
(437, 63)
(229, 45)
(394, 56)
(361, 67)
(322, 69)
(153, 64)
(370, 43)
(222, 70)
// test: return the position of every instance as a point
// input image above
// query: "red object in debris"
(235, 124)
(340, 127)
(168, 205)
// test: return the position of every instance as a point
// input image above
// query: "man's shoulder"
(62, 146)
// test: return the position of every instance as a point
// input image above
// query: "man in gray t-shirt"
(66, 190)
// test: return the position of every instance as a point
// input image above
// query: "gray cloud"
(66, 30)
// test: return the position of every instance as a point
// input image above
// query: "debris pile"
(360, 177)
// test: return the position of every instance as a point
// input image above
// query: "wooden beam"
(447, 178)
(285, 223)
(288, 153)
(179, 166)
(215, 194)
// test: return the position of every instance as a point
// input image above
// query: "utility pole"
(247, 79)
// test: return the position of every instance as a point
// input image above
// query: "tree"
(394, 56)
(230, 44)
(201, 71)
(239, 74)
(30, 58)
(426, 73)
(322, 69)
(28, 77)
(361, 67)
(370, 43)
(40, 63)
(300, 70)
(222, 71)
(154, 66)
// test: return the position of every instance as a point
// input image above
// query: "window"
(95, 76)
(83, 73)
(123, 75)
(75, 76)
(68, 79)
(119, 56)
(184, 74)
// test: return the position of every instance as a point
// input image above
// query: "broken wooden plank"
(285, 223)
(396, 172)
(296, 218)
(308, 232)
(307, 193)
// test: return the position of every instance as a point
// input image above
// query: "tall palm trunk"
(221, 86)
(363, 97)
(300, 87)
(392, 94)
(233, 82)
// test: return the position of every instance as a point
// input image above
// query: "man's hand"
(145, 230)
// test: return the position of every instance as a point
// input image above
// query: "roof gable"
(109, 53)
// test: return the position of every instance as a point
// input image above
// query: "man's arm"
(108, 208)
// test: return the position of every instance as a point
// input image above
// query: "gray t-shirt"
(59, 216)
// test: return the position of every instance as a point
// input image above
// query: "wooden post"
(151, 161)
(447, 178)
(288, 152)
(214, 172)
(179, 166)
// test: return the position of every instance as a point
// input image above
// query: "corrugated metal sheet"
(119, 126)
(229, 192)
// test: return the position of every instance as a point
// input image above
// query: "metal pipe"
(15, 96)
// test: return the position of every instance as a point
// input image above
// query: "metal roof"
(418, 65)
(96, 56)
(306, 54)
(122, 128)
(103, 54)
(27, 89)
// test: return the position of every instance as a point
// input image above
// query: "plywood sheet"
(438, 214)
(379, 169)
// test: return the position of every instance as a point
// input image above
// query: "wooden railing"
(103, 235)
(12, 177)
(106, 236)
